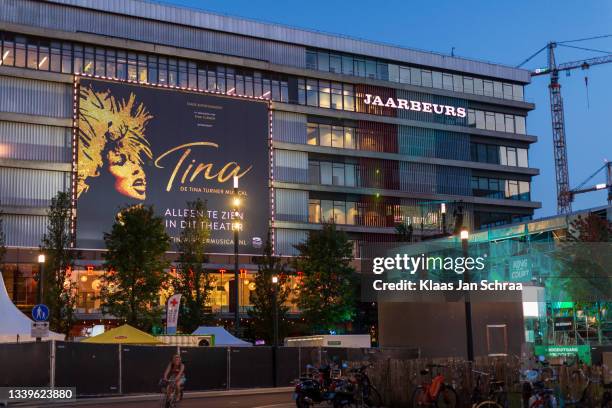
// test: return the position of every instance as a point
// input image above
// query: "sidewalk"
(149, 397)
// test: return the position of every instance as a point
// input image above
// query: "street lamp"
(443, 212)
(275, 309)
(41, 276)
(465, 236)
(236, 227)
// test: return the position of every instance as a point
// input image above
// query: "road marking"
(283, 405)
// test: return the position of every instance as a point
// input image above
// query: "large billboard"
(165, 147)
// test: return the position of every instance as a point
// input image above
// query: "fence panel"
(205, 367)
(309, 356)
(143, 366)
(25, 364)
(287, 365)
(251, 367)
(92, 368)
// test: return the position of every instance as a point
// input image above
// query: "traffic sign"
(40, 329)
(40, 313)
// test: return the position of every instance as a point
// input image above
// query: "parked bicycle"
(435, 393)
(366, 395)
(491, 394)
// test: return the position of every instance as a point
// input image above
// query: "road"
(277, 400)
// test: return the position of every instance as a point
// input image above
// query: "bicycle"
(366, 395)
(168, 390)
(497, 397)
(435, 393)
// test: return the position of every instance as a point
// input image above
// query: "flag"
(172, 313)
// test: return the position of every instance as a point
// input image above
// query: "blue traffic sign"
(40, 313)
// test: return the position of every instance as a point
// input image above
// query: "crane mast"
(564, 202)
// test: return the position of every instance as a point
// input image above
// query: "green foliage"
(59, 291)
(404, 232)
(327, 295)
(135, 265)
(262, 313)
(191, 280)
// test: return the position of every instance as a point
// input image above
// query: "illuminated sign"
(166, 147)
(416, 106)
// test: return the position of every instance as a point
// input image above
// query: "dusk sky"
(496, 31)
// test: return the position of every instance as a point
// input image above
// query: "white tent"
(14, 325)
(222, 337)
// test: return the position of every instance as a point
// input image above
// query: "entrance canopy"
(14, 325)
(125, 334)
(222, 337)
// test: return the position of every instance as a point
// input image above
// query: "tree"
(192, 280)
(262, 299)
(135, 267)
(404, 232)
(59, 292)
(327, 295)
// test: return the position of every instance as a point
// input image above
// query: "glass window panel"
(323, 61)
(311, 60)
(483, 183)
(338, 174)
(314, 172)
(122, 67)
(478, 86)
(457, 83)
(500, 124)
(230, 82)
(347, 65)
(471, 118)
(468, 85)
(437, 79)
(524, 190)
(142, 69)
(415, 76)
(519, 124)
(393, 73)
(67, 58)
(511, 151)
(336, 97)
(20, 52)
(301, 92)
(327, 210)
(275, 90)
(404, 75)
(507, 91)
(349, 97)
(248, 85)
(132, 68)
(312, 134)
(349, 176)
(480, 119)
(32, 56)
(284, 91)
(266, 87)
(324, 94)
(100, 67)
(339, 212)
(509, 123)
(8, 53)
(488, 88)
(426, 78)
(312, 92)
(482, 152)
(326, 173)
(193, 76)
(43, 58)
(172, 71)
(517, 92)
(152, 70)
(498, 90)
(55, 58)
(349, 138)
(314, 211)
(337, 136)
(221, 80)
(522, 157)
(474, 183)
(382, 71)
(492, 154)
(88, 61)
(359, 67)
(489, 121)
(503, 156)
(325, 135)
(335, 63)
(371, 69)
(447, 81)
(239, 84)
(351, 213)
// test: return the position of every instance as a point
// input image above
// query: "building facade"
(367, 134)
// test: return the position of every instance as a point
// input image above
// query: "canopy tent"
(125, 334)
(222, 337)
(14, 325)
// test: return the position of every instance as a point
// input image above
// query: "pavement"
(252, 398)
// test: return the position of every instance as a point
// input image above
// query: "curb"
(152, 397)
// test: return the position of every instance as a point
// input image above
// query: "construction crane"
(600, 186)
(564, 195)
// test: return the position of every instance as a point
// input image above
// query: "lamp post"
(236, 226)
(41, 279)
(465, 235)
(275, 309)
(443, 212)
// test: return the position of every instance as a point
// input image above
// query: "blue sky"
(499, 31)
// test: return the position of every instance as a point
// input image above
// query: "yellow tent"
(125, 334)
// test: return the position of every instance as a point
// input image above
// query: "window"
(507, 91)
(512, 191)
(415, 76)
(339, 212)
(349, 138)
(500, 124)
(478, 86)
(337, 136)
(426, 79)
(404, 75)
(338, 174)
(437, 79)
(20, 52)
(312, 93)
(111, 66)
(325, 135)
(56, 57)
(503, 154)
(468, 85)
(336, 96)
(359, 67)
(394, 73)
(517, 92)
(314, 211)
(32, 56)
(43, 58)
(301, 92)
(522, 160)
(498, 90)
(349, 97)
(327, 210)
(323, 61)
(8, 53)
(347, 65)
(457, 83)
(312, 134)
(488, 88)
(314, 172)
(519, 124)
(471, 118)
(326, 173)
(349, 175)
(311, 60)
(447, 81)
(509, 123)
(132, 67)
(480, 120)
(351, 213)
(382, 71)
(511, 151)
(371, 69)
(524, 193)
(489, 121)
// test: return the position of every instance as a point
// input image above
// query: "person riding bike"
(175, 372)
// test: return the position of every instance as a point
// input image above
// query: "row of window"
(323, 94)
(341, 212)
(333, 174)
(372, 68)
(496, 121)
(500, 188)
(484, 220)
(504, 155)
(331, 136)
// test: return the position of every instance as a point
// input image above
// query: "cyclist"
(176, 372)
